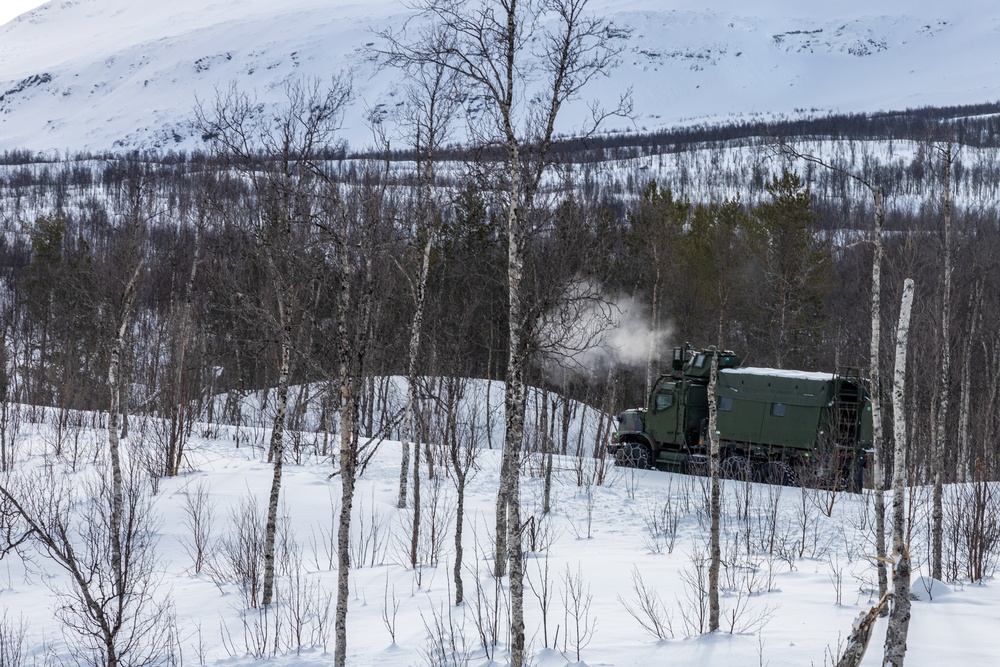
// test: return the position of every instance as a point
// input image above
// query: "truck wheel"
(638, 456)
(736, 467)
(777, 473)
(633, 455)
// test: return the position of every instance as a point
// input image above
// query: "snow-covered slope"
(794, 576)
(100, 74)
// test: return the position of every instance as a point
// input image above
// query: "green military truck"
(776, 426)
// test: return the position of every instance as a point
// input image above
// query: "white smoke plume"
(591, 331)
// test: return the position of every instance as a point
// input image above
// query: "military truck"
(776, 426)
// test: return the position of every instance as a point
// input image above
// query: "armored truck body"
(774, 425)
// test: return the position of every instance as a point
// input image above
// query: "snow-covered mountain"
(105, 74)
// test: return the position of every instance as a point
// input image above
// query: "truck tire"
(735, 467)
(634, 455)
(777, 473)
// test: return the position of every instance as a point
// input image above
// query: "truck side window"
(777, 409)
(725, 403)
(664, 401)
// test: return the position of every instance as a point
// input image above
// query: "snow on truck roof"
(783, 373)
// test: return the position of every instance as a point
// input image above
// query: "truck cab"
(668, 428)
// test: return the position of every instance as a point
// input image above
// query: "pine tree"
(793, 271)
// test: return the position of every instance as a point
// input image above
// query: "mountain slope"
(104, 74)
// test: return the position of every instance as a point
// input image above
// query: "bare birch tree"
(524, 59)
(432, 102)
(874, 356)
(114, 391)
(101, 535)
(136, 216)
(462, 448)
(279, 156)
(347, 399)
(899, 617)
(875, 374)
(357, 228)
(177, 408)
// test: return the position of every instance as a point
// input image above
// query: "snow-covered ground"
(107, 74)
(795, 570)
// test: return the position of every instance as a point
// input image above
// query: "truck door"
(664, 413)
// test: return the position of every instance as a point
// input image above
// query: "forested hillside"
(699, 241)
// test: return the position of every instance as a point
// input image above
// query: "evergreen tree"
(712, 265)
(60, 292)
(655, 229)
(792, 274)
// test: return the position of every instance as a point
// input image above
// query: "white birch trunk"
(508, 509)
(547, 447)
(114, 403)
(715, 510)
(878, 459)
(276, 453)
(411, 398)
(415, 532)
(508, 497)
(899, 617)
(460, 465)
(428, 131)
(941, 433)
(861, 634)
(348, 458)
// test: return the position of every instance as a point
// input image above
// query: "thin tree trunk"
(404, 466)
(414, 350)
(568, 412)
(510, 464)
(546, 455)
(114, 364)
(857, 643)
(509, 543)
(460, 466)
(175, 448)
(352, 355)
(899, 617)
(348, 460)
(655, 317)
(348, 468)
(459, 523)
(940, 439)
(415, 533)
(964, 455)
(715, 551)
(878, 446)
(276, 453)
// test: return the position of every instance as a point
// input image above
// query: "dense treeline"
(780, 275)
